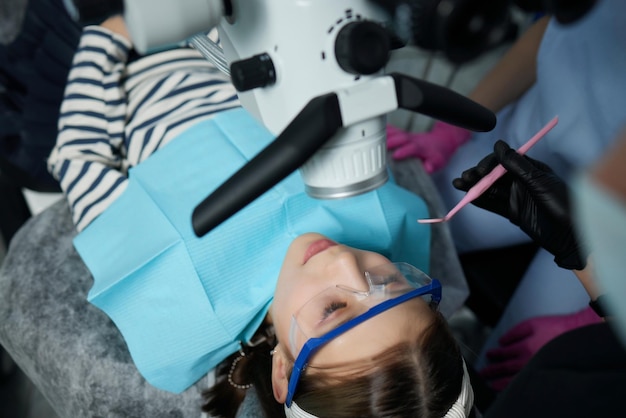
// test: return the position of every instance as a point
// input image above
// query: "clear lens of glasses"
(338, 304)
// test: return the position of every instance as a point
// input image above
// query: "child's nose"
(348, 272)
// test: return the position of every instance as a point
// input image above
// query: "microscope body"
(312, 72)
(298, 41)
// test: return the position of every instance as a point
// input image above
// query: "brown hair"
(413, 379)
(223, 399)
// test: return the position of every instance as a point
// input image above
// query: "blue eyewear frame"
(314, 344)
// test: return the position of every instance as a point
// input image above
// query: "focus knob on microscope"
(362, 47)
(253, 72)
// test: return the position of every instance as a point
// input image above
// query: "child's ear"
(280, 380)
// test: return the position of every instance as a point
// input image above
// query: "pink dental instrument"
(484, 183)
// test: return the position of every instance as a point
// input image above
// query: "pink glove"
(434, 148)
(522, 341)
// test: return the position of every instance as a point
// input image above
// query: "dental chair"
(72, 351)
(75, 355)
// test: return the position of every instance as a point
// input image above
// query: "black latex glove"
(532, 197)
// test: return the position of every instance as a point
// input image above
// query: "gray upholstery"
(71, 350)
(74, 354)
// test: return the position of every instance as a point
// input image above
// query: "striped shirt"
(116, 113)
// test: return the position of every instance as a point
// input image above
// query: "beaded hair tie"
(233, 366)
(264, 337)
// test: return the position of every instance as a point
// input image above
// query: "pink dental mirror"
(480, 187)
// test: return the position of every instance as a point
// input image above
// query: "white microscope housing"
(282, 54)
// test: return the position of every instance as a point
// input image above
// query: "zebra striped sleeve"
(115, 115)
(87, 158)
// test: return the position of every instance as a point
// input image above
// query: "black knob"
(257, 71)
(362, 47)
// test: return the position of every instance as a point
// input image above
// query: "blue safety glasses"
(339, 309)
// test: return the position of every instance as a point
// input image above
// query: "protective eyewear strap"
(313, 344)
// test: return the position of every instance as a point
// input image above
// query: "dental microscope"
(313, 73)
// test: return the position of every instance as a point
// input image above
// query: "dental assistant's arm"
(514, 73)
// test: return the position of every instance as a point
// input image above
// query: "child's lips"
(317, 247)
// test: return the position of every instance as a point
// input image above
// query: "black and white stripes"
(116, 114)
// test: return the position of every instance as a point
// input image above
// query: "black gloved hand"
(532, 197)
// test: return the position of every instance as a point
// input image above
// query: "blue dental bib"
(183, 303)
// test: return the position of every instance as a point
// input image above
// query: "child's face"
(314, 263)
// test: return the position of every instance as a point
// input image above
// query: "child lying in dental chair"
(141, 140)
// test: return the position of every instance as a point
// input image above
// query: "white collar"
(461, 408)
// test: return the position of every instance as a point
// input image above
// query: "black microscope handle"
(318, 121)
(442, 103)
